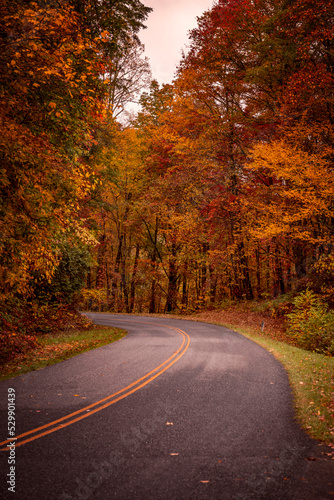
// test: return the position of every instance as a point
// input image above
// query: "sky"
(167, 33)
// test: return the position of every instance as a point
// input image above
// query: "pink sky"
(167, 33)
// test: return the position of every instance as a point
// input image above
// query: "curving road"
(175, 410)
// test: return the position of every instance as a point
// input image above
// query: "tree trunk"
(133, 279)
(152, 305)
(171, 300)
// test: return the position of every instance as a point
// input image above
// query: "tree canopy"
(221, 187)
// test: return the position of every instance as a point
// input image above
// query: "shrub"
(311, 324)
(68, 280)
(23, 322)
(278, 307)
(13, 336)
(13, 343)
(93, 300)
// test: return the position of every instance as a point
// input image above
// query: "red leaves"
(14, 342)
(21, 324)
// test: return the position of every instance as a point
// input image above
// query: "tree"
(114, 208)
(46, 111)
(297, 203)
(128, 74)
(252, 68)
(52, 95)
(223, 186)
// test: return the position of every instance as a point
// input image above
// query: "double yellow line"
(87, 411)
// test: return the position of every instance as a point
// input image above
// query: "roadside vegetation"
(53, 348)
(37, 333)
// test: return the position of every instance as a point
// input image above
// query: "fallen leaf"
(205, 482)
(173, 453)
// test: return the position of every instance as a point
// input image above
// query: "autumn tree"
(48, 77)
(128, 75)
(299, 160)
(175, 195)
(212, 80)
(52, 98)
(219, 188)
(242, 73)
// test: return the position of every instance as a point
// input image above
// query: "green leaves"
(311, 325)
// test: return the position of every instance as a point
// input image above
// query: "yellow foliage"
(298, 190)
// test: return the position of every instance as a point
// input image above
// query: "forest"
(218, 189)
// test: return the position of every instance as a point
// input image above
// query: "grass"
(55, 348)
(311, 375)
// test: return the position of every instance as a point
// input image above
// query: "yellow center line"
(130, 389)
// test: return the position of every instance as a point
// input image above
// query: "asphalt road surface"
(175, 410)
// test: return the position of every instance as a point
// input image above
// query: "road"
(175, 410)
